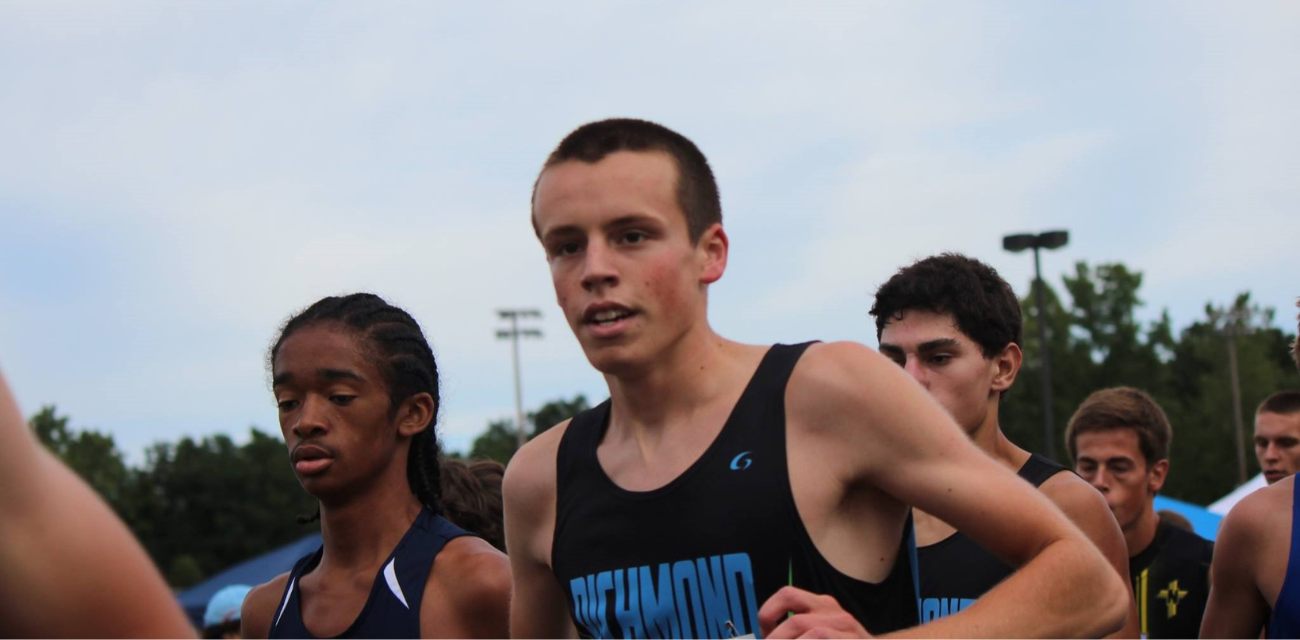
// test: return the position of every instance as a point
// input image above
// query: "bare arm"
(1087, 509)
(1237, 608)
(68, 566)
(875, 427)
(538, 608)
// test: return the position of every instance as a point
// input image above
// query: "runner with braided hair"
(356, 385)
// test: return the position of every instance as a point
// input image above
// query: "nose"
(311, 419)
(913, 368)
(598, 267)
(1270, 452)
(1098, 481)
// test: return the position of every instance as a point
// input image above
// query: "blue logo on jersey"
(741, 461)
(709, 597)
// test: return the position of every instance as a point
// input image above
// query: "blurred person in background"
(1119, 439)
(357, 389)
(68, 566)
(471, 497)
(1277, 435)
(221, 618)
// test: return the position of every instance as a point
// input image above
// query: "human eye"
(286, 404)
(939, 358)
(342, 399)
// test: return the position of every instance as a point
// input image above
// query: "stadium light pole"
(513, 334)
(1235, 322)
(1038, 241)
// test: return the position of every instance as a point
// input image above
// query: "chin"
(614, 360)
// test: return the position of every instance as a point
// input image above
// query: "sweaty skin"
(365, 498)
(863, 440)
(1249, 564)
(68, 566)
(951, 366)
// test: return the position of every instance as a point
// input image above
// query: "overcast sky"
(177, 178)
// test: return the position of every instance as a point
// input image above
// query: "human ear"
(713, 247)
(416, 414)
(1006, 366)
(1156, 477)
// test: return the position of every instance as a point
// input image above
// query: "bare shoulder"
(474, 574)
(531, 472)
(836, 377)
(259, 606)
(1265, 511)
(468, 592)
(1078, 499)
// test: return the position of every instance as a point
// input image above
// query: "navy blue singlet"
(1285, 622)
(393, 609)
(698, 556)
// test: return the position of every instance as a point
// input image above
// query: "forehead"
(917, 326)
(1111, 443)
(1276, 425)
(322, 346)
(622, 183)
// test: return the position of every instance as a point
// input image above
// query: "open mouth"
(609, 317)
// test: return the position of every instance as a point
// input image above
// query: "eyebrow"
(621, 221)
(326, 373)
(941, 343)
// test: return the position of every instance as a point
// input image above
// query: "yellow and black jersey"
(1171, 581)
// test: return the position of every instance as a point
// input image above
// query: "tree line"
(199, 506)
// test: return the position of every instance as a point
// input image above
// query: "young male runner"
(69, 568)
(1277, 435)
(954, 325)
(1119, 439)
(357, 390)
(1256, 570)
(719, 473)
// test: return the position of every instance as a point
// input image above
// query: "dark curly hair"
(697, 189)
(979, 300)
(471, 497)
(399, 350)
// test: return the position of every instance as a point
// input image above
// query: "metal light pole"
(1046, 240)
(513, 334)
(1235, 322)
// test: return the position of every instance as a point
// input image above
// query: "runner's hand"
(815, 616)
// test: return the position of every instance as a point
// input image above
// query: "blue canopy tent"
(250, 572)
(1204, 522)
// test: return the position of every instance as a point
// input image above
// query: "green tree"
(500, 440)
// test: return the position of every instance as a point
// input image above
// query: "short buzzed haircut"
(1123, 408)
(697, 190)
(1283, 402)
(980, 302)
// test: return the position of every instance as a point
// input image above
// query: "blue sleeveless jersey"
(1285, 622)
(393, 608)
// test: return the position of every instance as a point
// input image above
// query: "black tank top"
(955, 571)
(697, 557)
(393, 609)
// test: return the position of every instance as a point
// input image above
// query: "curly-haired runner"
(357, 389)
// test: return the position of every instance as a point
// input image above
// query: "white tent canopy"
(1223, 505)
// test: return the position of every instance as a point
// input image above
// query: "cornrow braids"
(398, 348)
